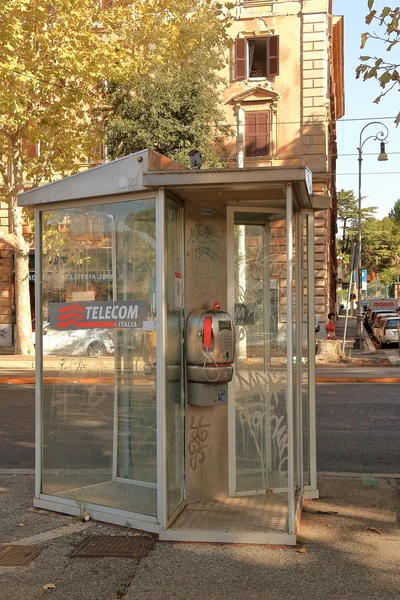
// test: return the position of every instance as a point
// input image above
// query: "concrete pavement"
(348, 549)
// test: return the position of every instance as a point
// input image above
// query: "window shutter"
(240, 58)
(273, 55)
(29, 148)
(257, 134)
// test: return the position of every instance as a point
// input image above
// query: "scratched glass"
(305, 366)
(174, 357)
(99, 406)
(260, 366)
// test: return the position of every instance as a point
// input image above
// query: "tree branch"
(10, 239)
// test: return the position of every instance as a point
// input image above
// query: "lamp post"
(381, 136)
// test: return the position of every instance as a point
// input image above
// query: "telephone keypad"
(226, 340)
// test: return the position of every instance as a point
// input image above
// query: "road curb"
(110, 380)
(344, 475)
(357, 379)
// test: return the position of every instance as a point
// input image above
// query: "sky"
(380, 181)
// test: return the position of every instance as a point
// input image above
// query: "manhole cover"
(18, 556)
(104, 545)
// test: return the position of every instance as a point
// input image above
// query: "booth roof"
(147, 170)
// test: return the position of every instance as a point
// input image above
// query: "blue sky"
(380, 180)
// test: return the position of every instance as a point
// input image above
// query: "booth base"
(243, 520)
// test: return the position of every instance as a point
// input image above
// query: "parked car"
(373, 316)
(377, 320)
(387, 332)
(78, 342)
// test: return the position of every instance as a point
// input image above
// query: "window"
(256, 57)
(257, 129)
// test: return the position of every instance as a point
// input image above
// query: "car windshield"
(392, 323)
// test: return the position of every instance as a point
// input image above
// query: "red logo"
(70, 315)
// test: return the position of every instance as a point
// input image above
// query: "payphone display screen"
(225, 325)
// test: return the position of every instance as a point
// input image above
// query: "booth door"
(258, 417)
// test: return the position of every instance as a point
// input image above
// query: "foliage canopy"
(385, 71)
(56, 57)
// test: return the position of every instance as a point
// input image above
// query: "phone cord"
(208, 355)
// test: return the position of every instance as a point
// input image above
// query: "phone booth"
(175, 361)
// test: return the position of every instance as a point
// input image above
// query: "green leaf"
(385, 78)
(370, 4)
(386, 11)
(364, 58)
(397, 120)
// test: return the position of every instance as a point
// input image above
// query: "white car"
(377, 322)
(77, 342)
(387, 332)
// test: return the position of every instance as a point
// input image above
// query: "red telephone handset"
(207, 332)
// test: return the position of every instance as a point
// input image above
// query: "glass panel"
(99, 425)
(174, 358)
(304, 347)
(296, 385)
(260, 366)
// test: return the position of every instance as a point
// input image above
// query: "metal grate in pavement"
(18, 556)
(97, 546)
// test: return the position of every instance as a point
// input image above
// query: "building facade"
(285, 93)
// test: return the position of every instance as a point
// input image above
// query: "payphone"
(210, 353)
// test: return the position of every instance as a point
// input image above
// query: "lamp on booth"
(381, 136)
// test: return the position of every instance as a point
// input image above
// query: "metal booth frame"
(157, 184)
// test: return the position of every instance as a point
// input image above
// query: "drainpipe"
(240, 136)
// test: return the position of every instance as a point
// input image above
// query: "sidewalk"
(348, 549)
(363, 366)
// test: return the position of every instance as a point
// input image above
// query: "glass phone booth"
(131, 424)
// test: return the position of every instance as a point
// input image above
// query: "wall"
(305, 99)
(205, 283)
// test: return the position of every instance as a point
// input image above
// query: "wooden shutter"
(240, 58)
(29, 148)
(257, 133)
(273, 55)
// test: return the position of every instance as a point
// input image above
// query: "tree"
(55, 58)
(171, 113)
(385, 71)
(347, 214)
(395, 212)
(176, 109)
(381, 246)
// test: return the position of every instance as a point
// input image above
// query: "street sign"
(364, 279)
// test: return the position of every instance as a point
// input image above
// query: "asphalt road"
(358, 427)
(17, 426)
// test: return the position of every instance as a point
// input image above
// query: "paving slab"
(339, 558)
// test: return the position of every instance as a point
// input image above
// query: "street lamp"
(381, 136)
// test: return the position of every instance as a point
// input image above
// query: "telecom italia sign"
(97, 315)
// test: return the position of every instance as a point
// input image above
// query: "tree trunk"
(15, 238)
(330, 351)
(23, 326)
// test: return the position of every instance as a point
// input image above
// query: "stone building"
(285, 93)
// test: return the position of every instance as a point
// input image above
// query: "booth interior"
(180, 306)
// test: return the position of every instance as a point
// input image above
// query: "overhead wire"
(77, 90)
